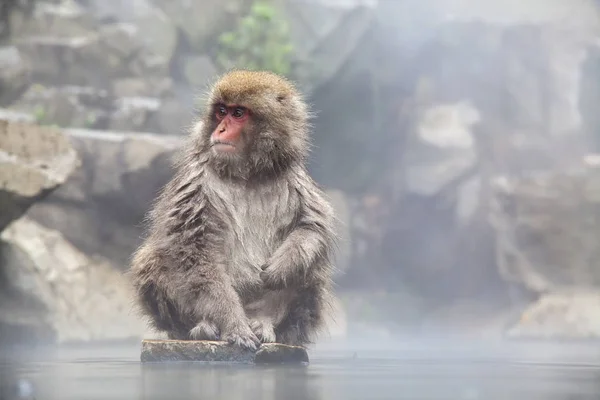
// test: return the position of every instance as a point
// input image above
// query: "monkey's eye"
(221, 112)
(239, 112)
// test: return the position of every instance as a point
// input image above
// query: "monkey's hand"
(263, 329)
(241, 335)
(272, 277)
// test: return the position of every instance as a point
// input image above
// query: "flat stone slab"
(211, 351)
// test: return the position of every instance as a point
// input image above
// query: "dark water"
(344, 371)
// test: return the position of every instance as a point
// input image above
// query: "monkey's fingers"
(246, 340)
(263, 329)
(272, 280)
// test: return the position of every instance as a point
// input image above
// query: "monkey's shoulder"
(311, 193)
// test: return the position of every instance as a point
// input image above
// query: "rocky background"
(456, 140)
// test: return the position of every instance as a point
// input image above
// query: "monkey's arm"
(181, 261)
(303, 257)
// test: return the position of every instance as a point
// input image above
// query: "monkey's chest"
(256, 230)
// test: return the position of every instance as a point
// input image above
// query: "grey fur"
(239, 248)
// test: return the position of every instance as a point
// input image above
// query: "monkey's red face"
(228, 135)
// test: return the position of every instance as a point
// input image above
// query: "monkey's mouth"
(223, 146)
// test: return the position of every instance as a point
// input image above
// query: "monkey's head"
(255, 125)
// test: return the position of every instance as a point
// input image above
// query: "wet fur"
(239, 247)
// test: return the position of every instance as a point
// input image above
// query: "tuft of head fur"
(277, 136)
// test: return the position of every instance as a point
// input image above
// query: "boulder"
(140, 87)
(101, 207)
(133, 113)
(124, 42)
(34, 161)
(157, 31)
(198, 21)
(172, 118)
(63, 19)
(547, 228)
(444, 147)
(208, 351)
(90, 108)
(15, 116)
(78, 60)
(198, 70)
(15, 74)
(94, 59)
(562, 315)
(67, 106)
(57, 294)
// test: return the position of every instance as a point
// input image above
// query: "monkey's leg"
(161, 310)
(288, 316)
(195, 308)
(303, 317)
(218, 310)
(267, 312)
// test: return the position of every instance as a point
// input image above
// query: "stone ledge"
(213, 351)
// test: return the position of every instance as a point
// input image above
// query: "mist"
(457, 140)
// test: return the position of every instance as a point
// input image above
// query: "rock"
(562, 315)
(207, 351)
(157, 31)
(120, 39)
(87, 107)
(444, 148)
(133, 113)
(139, 87)
(34, 161)
(124, 43)
(275, 353)
(547, 228)
(15, 74)
(64, 19)
(199, 71)
(69, 61)
(67, 106)
(15, 116)
(172, 118)
(101, 207)
(448, 125)
(199, 20)
(115, 10)
(57, 291)
(94, 59)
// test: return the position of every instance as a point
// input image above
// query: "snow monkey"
(239, 243)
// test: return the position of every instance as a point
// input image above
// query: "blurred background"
(455, 138)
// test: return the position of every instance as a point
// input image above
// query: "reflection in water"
(188, 381)
(390, 371)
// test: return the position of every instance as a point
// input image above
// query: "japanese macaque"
(240, 242)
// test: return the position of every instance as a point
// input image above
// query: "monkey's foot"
(243, 337)
(205, 330)
(263, 329)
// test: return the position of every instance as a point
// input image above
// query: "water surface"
(449, 370)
